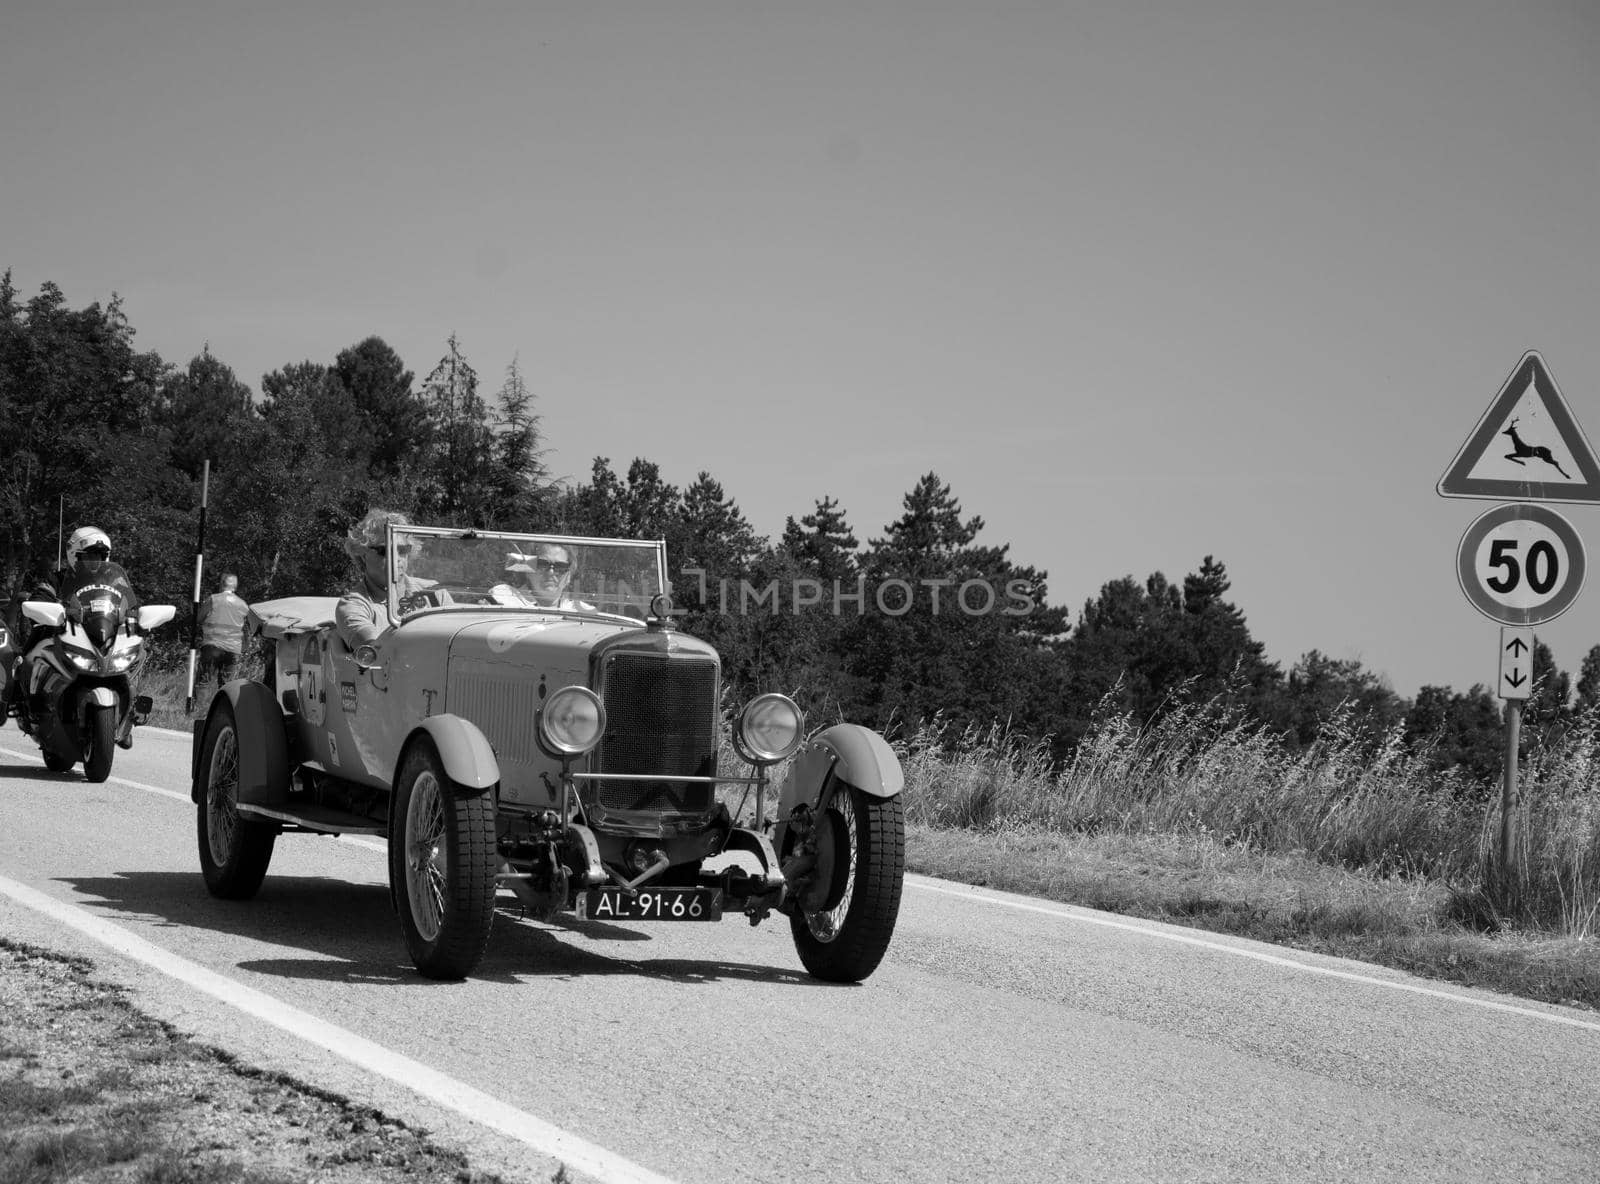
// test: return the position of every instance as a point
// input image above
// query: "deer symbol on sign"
(1521, 450)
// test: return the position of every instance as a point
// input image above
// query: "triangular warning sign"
(1527, 447)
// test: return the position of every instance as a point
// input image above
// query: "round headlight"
(572, 721)
(770, 728)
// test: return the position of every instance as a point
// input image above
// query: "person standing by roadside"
(221, 620)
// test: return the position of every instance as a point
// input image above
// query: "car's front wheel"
(843, 925)
(441, 865)
(234, 851)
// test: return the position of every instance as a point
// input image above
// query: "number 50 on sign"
(1521, 564)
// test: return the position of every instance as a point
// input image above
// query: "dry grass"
(1346, 847)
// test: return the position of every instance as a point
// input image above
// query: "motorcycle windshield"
(100, 611)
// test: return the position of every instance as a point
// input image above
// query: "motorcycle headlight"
(120, 661)
(572, 721)
(88, 663)
(770, 728)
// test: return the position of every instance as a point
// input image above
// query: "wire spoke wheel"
(427, 859)
(838, 844)
(234, 850)
(222, 796)
(861, 857)
(441, 865)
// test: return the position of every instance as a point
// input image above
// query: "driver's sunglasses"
(97, 552)
(403, 549)
(559, 566)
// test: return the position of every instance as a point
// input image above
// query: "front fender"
(855, 754)
(263, 744)
(96, 697)
(465, 751)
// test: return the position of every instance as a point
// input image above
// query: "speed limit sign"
(1521, 564)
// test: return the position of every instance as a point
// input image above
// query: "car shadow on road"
(351, 934)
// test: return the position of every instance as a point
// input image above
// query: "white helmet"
(82, 539)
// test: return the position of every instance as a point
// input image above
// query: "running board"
(322, 819)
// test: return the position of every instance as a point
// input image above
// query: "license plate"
(653, 904)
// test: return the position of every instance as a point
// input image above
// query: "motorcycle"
(76, 678)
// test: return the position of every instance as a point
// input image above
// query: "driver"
(363, 612)
(89, 567)
(539, 578)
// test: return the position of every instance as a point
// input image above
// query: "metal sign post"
(1522, 564)
(1515, 685)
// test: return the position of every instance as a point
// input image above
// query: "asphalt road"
(1001, 1039)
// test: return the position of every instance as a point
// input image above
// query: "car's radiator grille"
(660, 718)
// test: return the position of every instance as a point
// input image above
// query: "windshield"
(100, 612)
(437, 567)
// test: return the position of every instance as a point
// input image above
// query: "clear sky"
(1143, 281)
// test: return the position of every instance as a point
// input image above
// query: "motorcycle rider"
(89, 565)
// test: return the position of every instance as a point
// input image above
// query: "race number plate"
(653, 904)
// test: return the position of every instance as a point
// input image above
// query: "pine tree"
(521, 481)
(1588, 689)
(461, 470)
(822, 545)
(952, 628)
(396, 420)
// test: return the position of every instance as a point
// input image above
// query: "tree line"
(921, 621)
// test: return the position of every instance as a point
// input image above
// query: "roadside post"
(1521, 564)
(199, 564)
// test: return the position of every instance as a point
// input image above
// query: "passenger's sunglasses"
(559, 566)
(97, 552)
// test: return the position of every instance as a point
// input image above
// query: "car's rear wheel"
(234, 851)
(441, 865)
(860, 871)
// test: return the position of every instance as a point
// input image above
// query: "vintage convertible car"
(568, 754)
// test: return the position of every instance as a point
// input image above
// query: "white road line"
(437, 1087)
(1085, 917)
(164, 732)
(962, 892)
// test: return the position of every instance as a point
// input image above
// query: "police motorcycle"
(75, 696)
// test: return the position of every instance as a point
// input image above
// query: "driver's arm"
(357, 620)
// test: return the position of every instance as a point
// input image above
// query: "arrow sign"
(1516, 663)
(1527, 447)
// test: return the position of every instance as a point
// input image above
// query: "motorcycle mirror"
(44, 612)
(152, 615)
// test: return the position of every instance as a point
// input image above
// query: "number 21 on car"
(1521, 564)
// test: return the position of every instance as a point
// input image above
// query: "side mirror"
(152, 615)
(367, 657)
(45, 612)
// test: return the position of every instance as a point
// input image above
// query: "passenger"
(540, 579)
(363, 612)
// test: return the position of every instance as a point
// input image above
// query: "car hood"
(527, 640)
